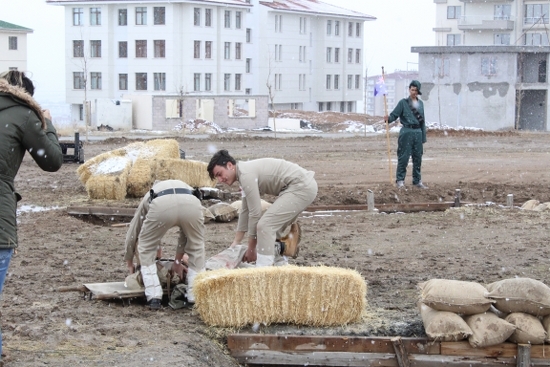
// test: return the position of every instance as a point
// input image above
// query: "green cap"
(416, 83)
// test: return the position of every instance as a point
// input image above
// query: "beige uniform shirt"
(266, 176)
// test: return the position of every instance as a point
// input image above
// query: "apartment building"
(214, 56)
(489, 66)
(13, 43)
(397, 87)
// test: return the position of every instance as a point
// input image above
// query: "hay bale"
(467, 298)
(443, 325)
(315, 296)
(521, 295)
(223, 212)
(164, 148)
(140, 178)
(109, 179)
(529, 329)
(194, 173)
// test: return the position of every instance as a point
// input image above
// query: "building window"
(226, 82)
(453, 40)
(302, 82)
(207, 49)
(442, 67)
(141, 48)
(336, 54)
(122, 17)
(536, 39)
(453, 12)
(336, 81)
(160, 81)
(141, 81)
(78, 80)
(329, 81)
(536, 13)
(488, 66)
(329, 106)
(350, 81)
(227, 50)
(248, 91)
(357, 29)
(95, 80)
(502, 39)
(238, 47)
(196, 82)
(78, 16)
(197, 49)
(278, 81)
(238, 19)
(141, 15)
(78, 48)
(329, 27)
(303, 23)
(95, 16)
(329, 54)
(123, 81)
(350, 55)
(358, 56)
(321, 106)
(95, 48)
(160, 49)
(196, 16)
(350, 106)
(278, 23)
(208, 17)
(227, 19)
(503, 12)
(301, 53)
(278, 52)
(350, 29)
(208, 81)
(248, 65)
(159, 15)
(248, 35)
(342, 106)
(357, 81)
(123, 49)
(237, 81)
(336, 27)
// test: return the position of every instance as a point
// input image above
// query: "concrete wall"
(114, 113)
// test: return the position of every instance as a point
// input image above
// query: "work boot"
(155, 304)
(400, 184)
(420, 185)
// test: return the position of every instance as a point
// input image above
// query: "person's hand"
(386, 118)
(131, 267)
(159, 252)
(250, 255)
(179, 269)
(47, 114)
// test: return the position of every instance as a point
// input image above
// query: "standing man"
(295, 187)
(410, 111)
(170, 203)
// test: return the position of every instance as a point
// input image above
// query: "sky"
(400, 25)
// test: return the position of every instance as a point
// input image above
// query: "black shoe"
(155, 304)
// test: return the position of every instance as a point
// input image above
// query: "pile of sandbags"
(132, 170)
(535, 205)
(515, 310)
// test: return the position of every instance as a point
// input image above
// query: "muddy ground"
(394, 252)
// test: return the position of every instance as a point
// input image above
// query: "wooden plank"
(313, 343)
(98, 210)
(405, 208)
(400, 352)
(464, 349)
(457, 361)
(524, 355)
(540, 352)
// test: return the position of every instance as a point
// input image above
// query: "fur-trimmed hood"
(20, 96)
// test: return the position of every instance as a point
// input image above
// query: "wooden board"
(386, 208)
(98, 210)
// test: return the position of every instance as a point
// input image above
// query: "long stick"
(387, 129)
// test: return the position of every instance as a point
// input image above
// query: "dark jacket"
(22, 128)
(404, 113)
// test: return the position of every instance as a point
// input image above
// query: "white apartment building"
(299, 53)
(397, 87)
(13, 43)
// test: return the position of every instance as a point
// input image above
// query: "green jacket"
(404, 113)
(22, 128)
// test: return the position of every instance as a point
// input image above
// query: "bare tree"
(271, 89)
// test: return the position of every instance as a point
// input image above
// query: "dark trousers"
(409, 144)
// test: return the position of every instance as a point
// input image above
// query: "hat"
(416, 83)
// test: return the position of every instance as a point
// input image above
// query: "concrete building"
(13, 43)
(216, 55)
(397, 87)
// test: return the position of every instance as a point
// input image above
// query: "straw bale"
(521, 295)
(110, 179)
(443, 325)
(467, 298)
(239, 204)
(530, 204)
(488, 329)
(529, 329)
(140, 178)
(315, 296)
(223, 212)
(193, 173)
(164, 148)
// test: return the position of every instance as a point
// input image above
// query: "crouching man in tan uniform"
(295, 187)
(170, 203)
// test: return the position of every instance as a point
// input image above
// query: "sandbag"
(488, 329)
(529, 329)
(467, 298)
(223, 212)
(521, 295)
(443, 325)
(229, 258)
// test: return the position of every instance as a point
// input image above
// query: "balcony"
(485, 23)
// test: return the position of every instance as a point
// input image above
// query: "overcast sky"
(400, 25)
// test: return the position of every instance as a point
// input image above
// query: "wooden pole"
(387, 129)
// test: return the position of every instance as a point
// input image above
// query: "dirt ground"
(483, 243)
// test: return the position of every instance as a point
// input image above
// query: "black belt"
(414, 126)
(179, 190)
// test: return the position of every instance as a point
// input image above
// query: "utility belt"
(414, 126)
(179, 190)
